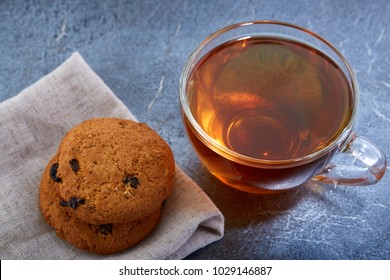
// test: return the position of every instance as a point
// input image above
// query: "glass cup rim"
(210, 142)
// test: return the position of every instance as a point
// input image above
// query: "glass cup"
(365, 163)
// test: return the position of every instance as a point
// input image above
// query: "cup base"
(250, 188)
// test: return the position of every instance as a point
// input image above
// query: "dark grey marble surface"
(139, 48)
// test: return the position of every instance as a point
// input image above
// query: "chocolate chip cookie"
(113, 171)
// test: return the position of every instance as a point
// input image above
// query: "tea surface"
(269, 98)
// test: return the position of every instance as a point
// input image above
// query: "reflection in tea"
(269, 98)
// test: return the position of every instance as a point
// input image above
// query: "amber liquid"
(269, 99)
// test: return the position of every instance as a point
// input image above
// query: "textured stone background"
(139, 48)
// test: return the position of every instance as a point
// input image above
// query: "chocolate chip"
(73, 202)
(131, 180)
(53, 173)
(105, 229)
(63, 203)
(74, 164)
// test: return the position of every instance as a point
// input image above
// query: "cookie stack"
(103, 190)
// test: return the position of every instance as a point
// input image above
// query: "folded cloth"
(31, 126)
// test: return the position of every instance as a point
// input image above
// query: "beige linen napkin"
(31, 126)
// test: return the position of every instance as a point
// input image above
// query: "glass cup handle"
(367, 164)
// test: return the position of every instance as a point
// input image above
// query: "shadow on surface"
(243, 209)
